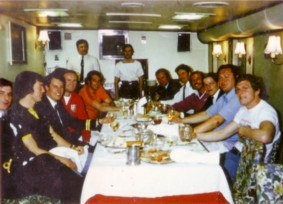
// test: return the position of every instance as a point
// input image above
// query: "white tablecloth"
(109, 175)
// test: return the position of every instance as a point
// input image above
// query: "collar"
(52, 102)
(215, 95)
(230, 95)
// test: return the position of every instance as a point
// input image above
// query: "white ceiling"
(92, 13)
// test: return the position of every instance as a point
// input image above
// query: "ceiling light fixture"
(74, 25)
(191, 16)
(49, 12)
(171, 27)
(209, 4)
(131, 22)
(134, 14)
(132, 4)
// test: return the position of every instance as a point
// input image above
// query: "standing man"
(256, 120)
(223, 111)
(167, 87)
(129, 73)
(184, 73)
(83, 62)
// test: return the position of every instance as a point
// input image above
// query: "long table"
(109, 175)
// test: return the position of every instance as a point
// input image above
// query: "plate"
(143, 119)
(155, 156)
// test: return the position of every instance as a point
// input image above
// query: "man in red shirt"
(95, 97)
(73, 102)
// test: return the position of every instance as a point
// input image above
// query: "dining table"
(110, 175)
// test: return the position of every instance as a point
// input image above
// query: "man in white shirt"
(256, 120)
(129, 73)
(83, 62)
(184, 73)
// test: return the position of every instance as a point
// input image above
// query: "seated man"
(196, 101)
(7, 177)
(95, 97)
(222, 112)
(73, 102)
(211, 86)
(39, 172)
(184, 74)
(256, 120)
(167, 87)
(53, 112)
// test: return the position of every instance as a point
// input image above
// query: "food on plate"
(154, 155)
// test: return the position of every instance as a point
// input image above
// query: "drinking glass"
(114, 125)
(185, 132)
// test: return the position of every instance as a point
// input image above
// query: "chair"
(268, 179)
(31, 199)
(252, 153)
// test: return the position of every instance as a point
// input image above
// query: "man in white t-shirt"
(83, 62)
(129, 73)
(256, 119)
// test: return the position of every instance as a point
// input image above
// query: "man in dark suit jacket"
(211, 86)
(54, 113)
(167, 87)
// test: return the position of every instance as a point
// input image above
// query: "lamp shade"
(240, 49)
(43, 36)
(273, 46)
(217, 50)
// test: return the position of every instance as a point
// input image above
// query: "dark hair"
(235, 69)
(197, 72)
(82, 41)
(185, 67)
(165, 71)
(5, 82)
(256, 83)
(213, 75)
(24, 84)
(58, 73)
(92, 73)
(128, 45)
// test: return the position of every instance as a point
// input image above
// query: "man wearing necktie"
(184, 73)
(83, 62)
(223, 111)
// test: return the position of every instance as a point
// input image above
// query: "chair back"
(252, 153)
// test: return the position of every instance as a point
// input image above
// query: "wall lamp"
(217, 52)
(240, 49)
(43, 38)
(273, 46)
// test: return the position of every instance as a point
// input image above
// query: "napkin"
(140, 105)
(78, 159)
(167, 130)
(187, 156)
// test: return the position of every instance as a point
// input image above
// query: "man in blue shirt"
(223, 111)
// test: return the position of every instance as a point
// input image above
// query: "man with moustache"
(184, 73)
(83, 62)
(196, 101)
(129, 73)
(222, 112)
